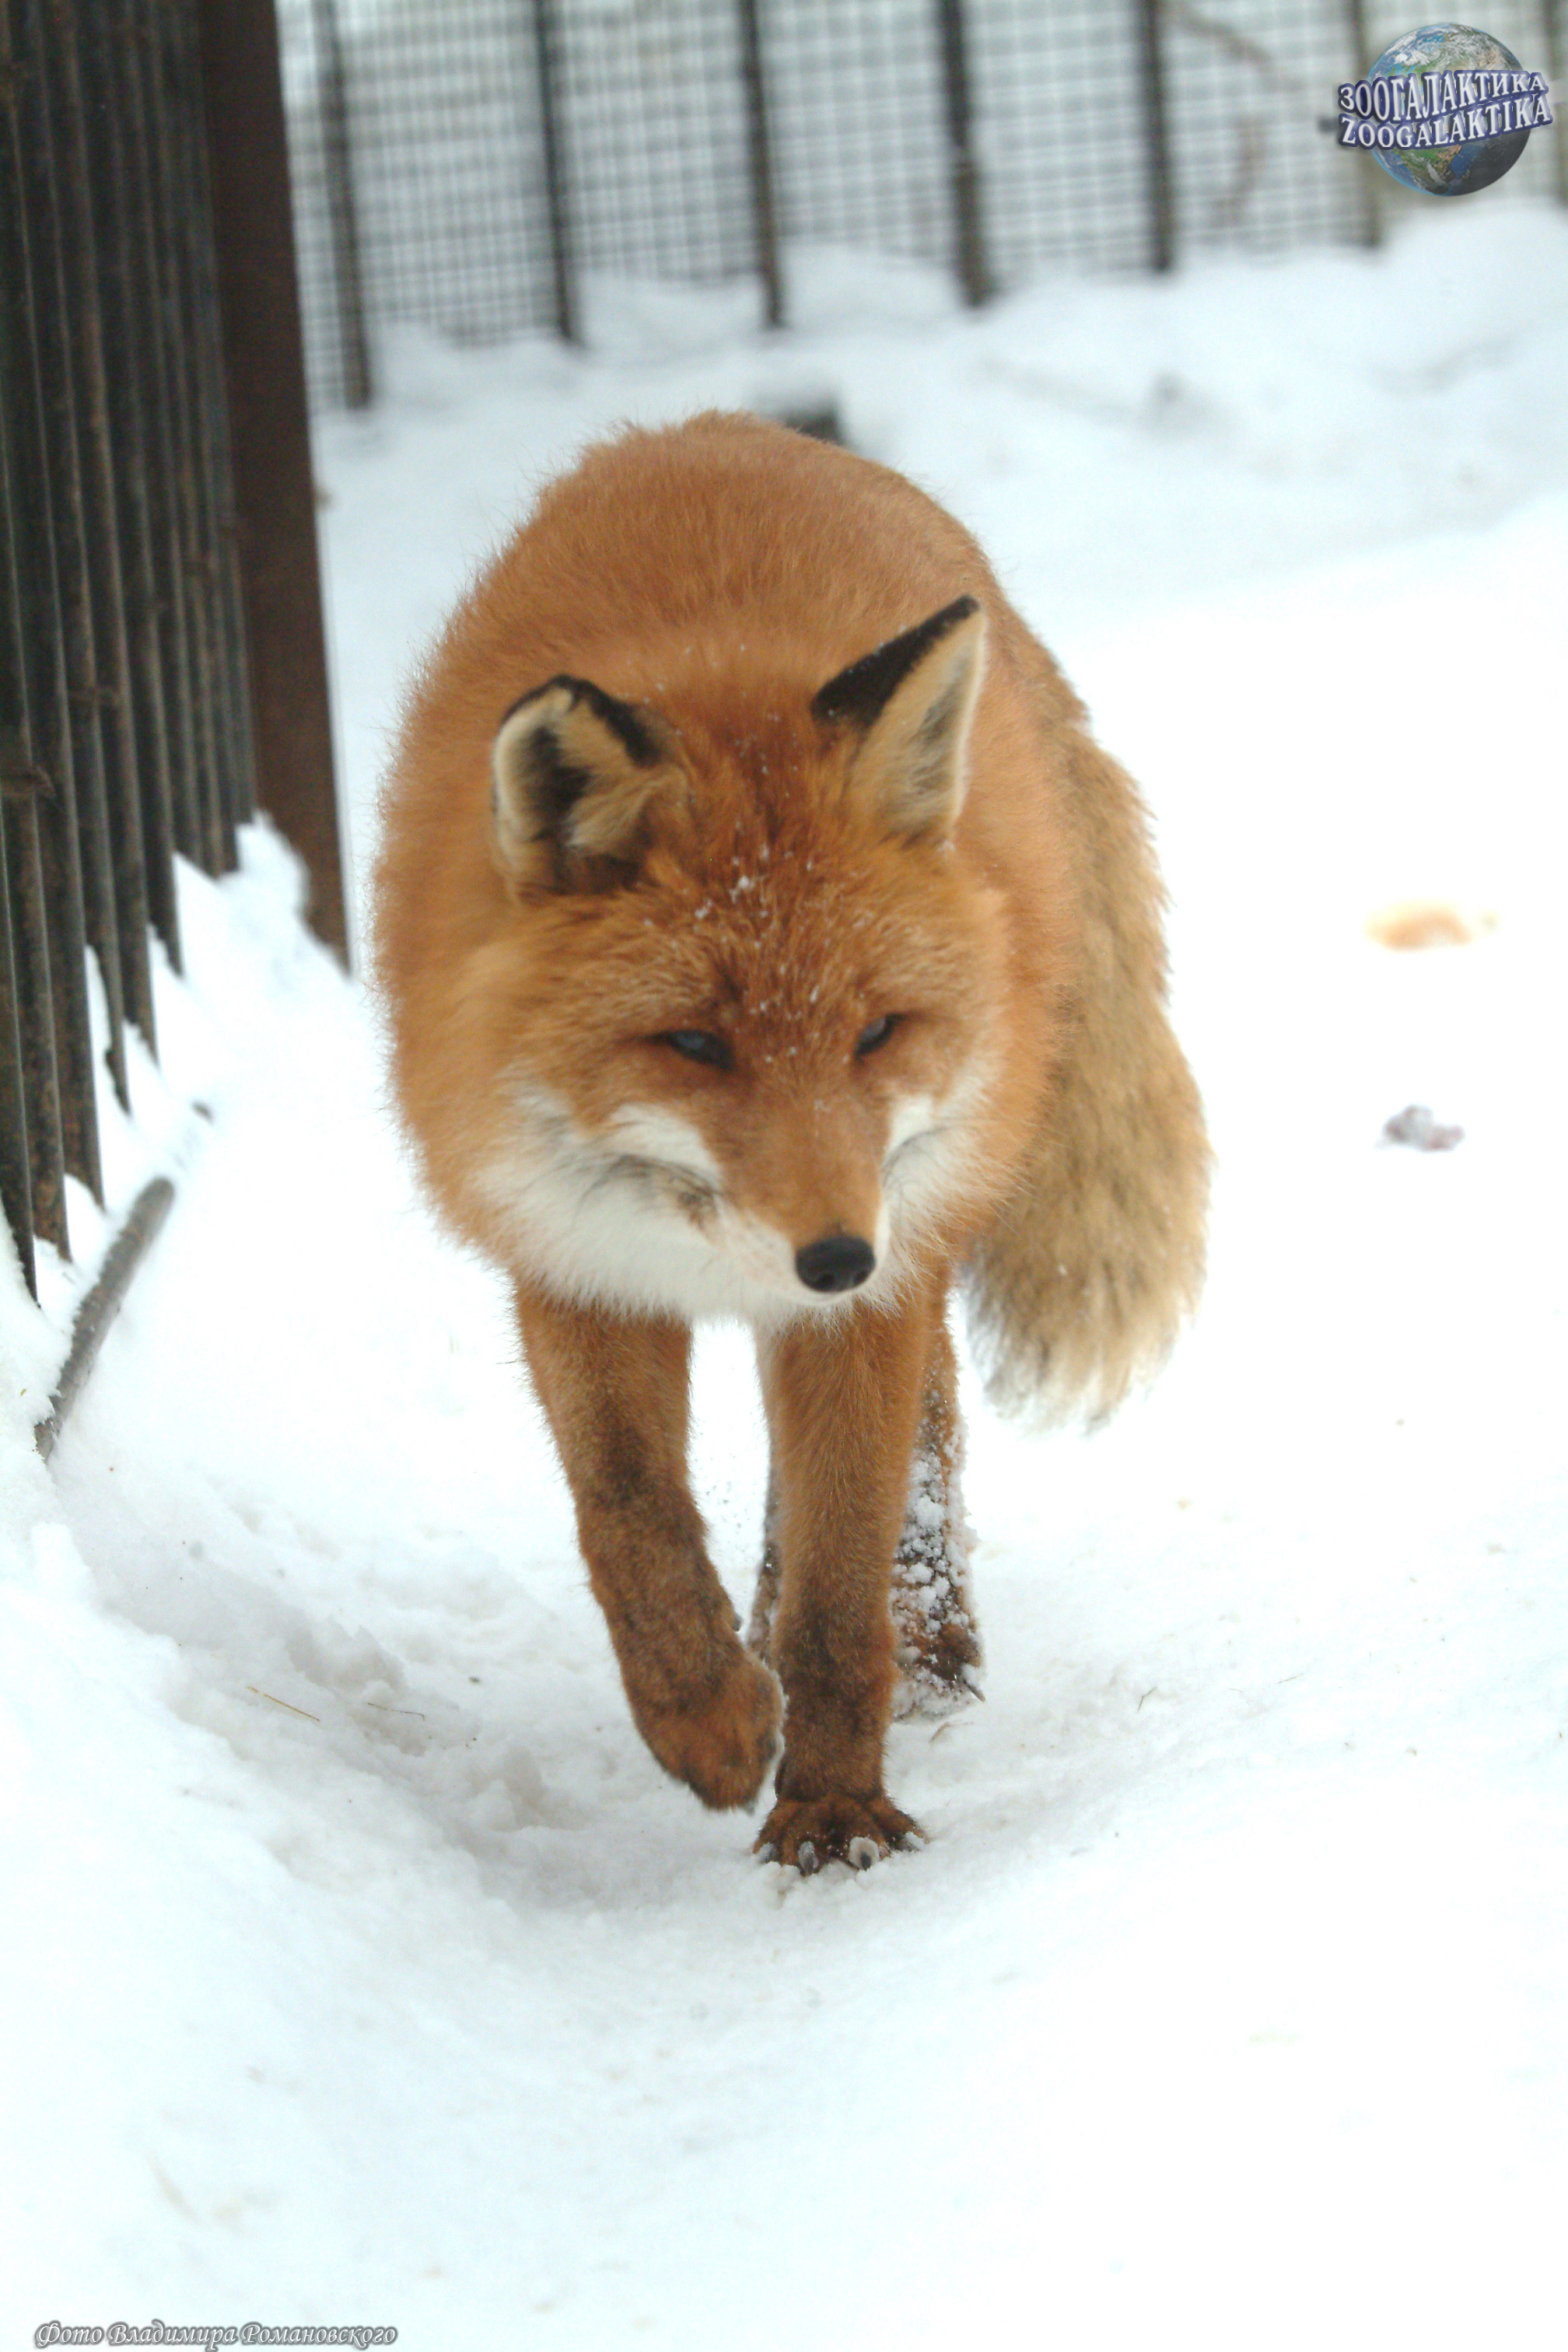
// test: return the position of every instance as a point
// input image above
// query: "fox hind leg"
(765, 1599)
(936, 1637)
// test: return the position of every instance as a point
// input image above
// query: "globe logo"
(1447, 109)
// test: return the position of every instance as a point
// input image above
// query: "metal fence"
(122, 728)
(473, 164)
(134, 598)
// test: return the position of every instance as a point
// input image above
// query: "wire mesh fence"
(466, 163)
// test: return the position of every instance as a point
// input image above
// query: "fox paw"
(806, 1832)
(722, 1746)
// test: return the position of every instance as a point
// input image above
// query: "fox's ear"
(573, 772)
(912, 700)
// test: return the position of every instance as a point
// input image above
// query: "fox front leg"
(844, 1400)
(615, 1390)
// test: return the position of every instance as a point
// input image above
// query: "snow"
(364, 1969)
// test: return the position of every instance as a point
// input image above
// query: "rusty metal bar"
(274, 490)
(968, 237)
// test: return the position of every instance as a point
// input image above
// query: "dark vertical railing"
(87, 882)
(759, 156)
(1161, 233)
(203, 837)
(963, 171)
(105, 43)
(125, 726)
(218, 554)
(104, 728)
(1552, 28)
(43, 526)
(15, 1189)
(554, 153)
(337, 164)
(1368, 173)
(274, 489)
(31, 809)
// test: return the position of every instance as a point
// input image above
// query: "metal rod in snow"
(103, 1303)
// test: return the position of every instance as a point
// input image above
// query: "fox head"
(745, 992)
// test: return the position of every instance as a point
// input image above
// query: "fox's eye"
(876, 1034)
(699, 1045)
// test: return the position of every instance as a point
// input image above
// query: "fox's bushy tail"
(1079, 1287)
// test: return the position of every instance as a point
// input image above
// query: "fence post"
(105, 740)
(337, 161)
(15, 1186)
(34, 384)
(275, 498)
(556, 208)
(968, 231)
(1557, 74)
(1370, 173)
(1157, 149)
(28, 640)
(760, 157)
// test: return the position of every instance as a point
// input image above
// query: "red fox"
(762, 935)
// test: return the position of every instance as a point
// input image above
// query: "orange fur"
(761, 933)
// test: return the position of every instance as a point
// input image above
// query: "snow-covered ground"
(363, 1969)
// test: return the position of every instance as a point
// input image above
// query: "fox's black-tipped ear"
(573, 773)
(912, 701)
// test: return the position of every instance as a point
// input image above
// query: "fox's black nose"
(837, 1262)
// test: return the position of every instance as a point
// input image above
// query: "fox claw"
(806, 1832)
